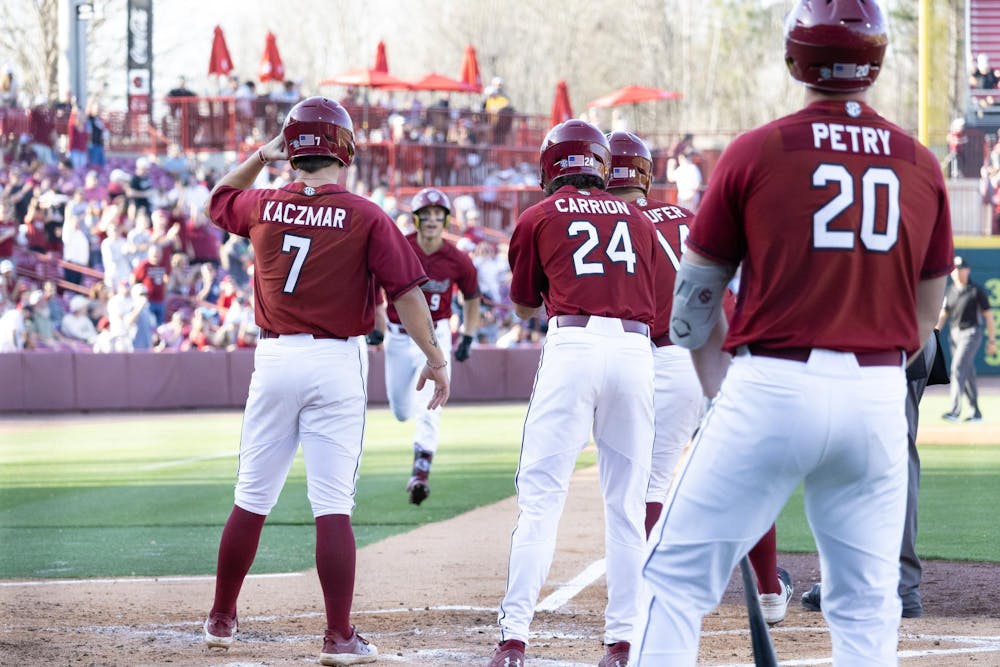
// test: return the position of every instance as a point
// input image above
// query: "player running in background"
(448, 269)
(589, 258)
(677, 394)
(840, 220)
(318, 250)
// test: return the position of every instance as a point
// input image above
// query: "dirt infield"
(430, 597)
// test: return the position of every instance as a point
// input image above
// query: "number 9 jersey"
(862, 209)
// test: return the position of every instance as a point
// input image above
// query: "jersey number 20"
(873, 180)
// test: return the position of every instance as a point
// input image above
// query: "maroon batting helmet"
(318, 126)
(835, 45)
(430, 197)
(574, 147)
(631, 162)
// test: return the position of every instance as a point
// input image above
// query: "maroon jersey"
(672, 225)
(154, 277)
(836, 215)
(584, 252)
(447, 268)
(317, 252)
(7, 227)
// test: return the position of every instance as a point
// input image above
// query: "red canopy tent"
(633, 95)
(367, 78)
(271, 68)
(470, 70)
(381, 62)
(441, 83)
(219, 61)
(561, 108)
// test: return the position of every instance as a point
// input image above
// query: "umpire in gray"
(966, 308)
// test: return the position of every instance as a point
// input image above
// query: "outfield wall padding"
(52, 381)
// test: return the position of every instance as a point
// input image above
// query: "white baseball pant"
(403, 361)
(829, 422)
(595, 377)
(677, 401)
(308, 391)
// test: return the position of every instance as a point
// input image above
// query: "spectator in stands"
(140, 237)
(115, 256)
(140, 186)
(181, 90)
(153, 272)
(202, 240)
(76, 247)
(54, 301)
(181, 279)
(202, 335)
(176, 163)
(171, 335)
(686, 175)
(499, 111)
(235, 257)
(984, 77)
(95, 134)
(93, 191)
(77, 138)
(8, 88)
(8, 228)
(97, 304)
(683, 145)
(76, 324)
(493, 271)
(11, 286)
(11, 327)
(42, 128)
(165, 233)
(40, 330)
(117, 337)
(143, 321)
(207, 286)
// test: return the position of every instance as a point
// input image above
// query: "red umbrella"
(271, 67)
(381, 62)
(442, 83)
(367, 78)
(633, 95)
(219, 62)
(470, 70)
(561, 108)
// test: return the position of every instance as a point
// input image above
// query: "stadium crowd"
(111, 253)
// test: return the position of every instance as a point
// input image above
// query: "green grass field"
(147, 494)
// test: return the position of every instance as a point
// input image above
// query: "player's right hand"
(275, 150)
(442, 385)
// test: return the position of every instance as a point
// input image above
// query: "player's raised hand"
(442, 386)
(275, 150)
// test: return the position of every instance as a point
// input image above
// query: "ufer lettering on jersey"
(592, 206)
(303, 214)
(662, 213)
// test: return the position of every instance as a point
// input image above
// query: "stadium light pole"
(924, 71)
(80, 13)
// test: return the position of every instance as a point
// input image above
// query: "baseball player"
(967, 306)
(318, 249)
(448, 269)
(589, 258)
(840, 220)
(677, 397)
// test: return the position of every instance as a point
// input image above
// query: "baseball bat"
(763, 649)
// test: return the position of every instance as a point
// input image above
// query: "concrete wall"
(69, 381)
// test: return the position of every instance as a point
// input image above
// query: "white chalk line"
(135, 580)
(181, 462)
(570, 589)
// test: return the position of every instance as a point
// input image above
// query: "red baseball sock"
(764, 558)
(237, 549)
(336, 555)
(652, 515)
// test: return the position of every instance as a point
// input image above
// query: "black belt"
(630, 326)
(882, 358)
(267, 333)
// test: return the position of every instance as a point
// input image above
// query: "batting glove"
(464, 348)
(375, 337)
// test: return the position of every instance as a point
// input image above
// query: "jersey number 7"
(301, 245)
